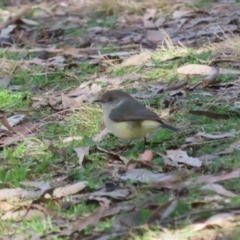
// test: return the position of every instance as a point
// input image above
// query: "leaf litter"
(188, 27)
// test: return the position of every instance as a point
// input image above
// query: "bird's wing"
(135, 111)
(132, 111)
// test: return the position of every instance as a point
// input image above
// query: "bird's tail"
(169, 127)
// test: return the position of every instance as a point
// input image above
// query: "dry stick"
(17, 16)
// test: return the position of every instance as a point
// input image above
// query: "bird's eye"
(110, 99)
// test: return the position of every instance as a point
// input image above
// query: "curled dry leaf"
(69, 189)
(146, 156)
(122, 158)
(116, 194)
(194, 139)
(221, 220)
(8, 123)
(230, 149)
(194, 69)
(81, 152)
(21, 132)
(135, 60)
(218, 189)
(216, 135)
(222, 177)
(67, 102)
(162, 211)
(145, 176)
(100, 136)
(70, 139)
(81, 224)
(179, 156)
(9, 193)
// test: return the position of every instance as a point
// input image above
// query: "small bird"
(127, 118)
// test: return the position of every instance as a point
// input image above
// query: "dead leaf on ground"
(122, 158)
(36, 184)
(23, 213)
(203, 70)
(11, 193)
(145, 176)
(116, 194)
(220, 220)
(179, 156)
(81, 152)
(69, 189)
(162, 211)
(230, 149)
(218, 189)
(91, 220)
(146, 156)
(67, 102)
(219, 178)
(12, 121)
(217, 135)
(20, 133)
(100, 136)
(135, 60)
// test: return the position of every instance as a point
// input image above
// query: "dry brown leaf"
(155, 36)
(21, 131)
(71, 51)
(217, 135)
(223, 177)
(39, 185)
(221, 220)
(100, 136)
(124, 159)
(81, 224)
(135, 60)
(230, 149)
(194, 69)
(179, 156)
(218, 189)
(68, 102)
(146, 156)
(162, 211)
(5, 206)
(180, 13)
(81, 152)
(8, 123)
(70, 139)
(194, 139)
(25, 213)
(145, 176)
(116, 194)
(69, 189)
(9, 193)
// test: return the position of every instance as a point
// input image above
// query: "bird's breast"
(130, 130)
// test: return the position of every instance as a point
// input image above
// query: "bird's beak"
(98, 101)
